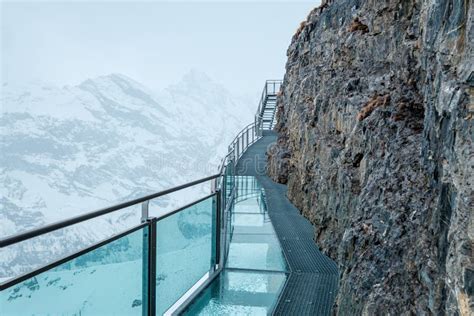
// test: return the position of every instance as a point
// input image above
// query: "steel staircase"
(265, 116)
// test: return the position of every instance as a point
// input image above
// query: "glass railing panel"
(227, 230)
(249, 204)
(245, 223)
(185, 247)
(174, 200)
(229, 180)
(247, 185)
(240, 293)
(253, 241)
(255, 251)
(108, 280)
(34, 253)
(255, 268)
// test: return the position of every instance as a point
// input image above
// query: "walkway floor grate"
(313, 281)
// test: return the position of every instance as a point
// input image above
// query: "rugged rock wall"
(375, 142)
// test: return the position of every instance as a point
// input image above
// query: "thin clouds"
(239, 43)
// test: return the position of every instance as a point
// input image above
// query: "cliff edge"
(375, 124)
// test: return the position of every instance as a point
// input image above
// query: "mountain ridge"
(74, 149)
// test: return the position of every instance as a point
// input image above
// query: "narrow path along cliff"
(313, 277)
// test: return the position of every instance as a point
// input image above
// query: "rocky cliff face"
(375, 142)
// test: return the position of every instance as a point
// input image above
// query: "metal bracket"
(145, 211)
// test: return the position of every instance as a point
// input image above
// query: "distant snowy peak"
(40, 99)
(120, 91)
(196, 78)
(92, 100)
(197, 90)
(198, 85)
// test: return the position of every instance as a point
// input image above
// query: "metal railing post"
(218, 227)
(149, 262)
(238, 149)
(256, 124)
(224, 188)
(145, 261)
(247, 133)
(145, 212)
(152, 268)
(214, 185)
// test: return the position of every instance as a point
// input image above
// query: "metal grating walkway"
(312, 284)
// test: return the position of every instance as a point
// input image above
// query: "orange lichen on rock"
(370, 106)
(463, 301)
(300, 28)
(357, 25)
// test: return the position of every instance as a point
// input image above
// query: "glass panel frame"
(240, 292)
(186, 250)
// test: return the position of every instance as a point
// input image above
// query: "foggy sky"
(239, 44)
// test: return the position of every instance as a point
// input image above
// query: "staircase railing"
(245, 138)
(270, 89)
(254, 131)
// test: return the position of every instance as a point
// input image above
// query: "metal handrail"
(13, 281)
(224, 254)
(255, 126)
(243, 140)
(242, 132)
(10, 240)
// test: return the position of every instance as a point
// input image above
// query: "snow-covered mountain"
(70, 150)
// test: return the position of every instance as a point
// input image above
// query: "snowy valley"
(75, 149)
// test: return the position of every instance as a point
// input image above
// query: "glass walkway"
(254, 272)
